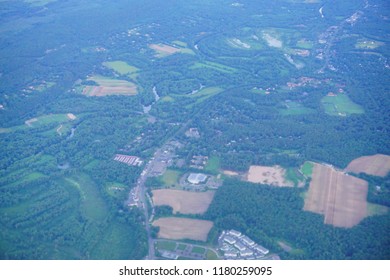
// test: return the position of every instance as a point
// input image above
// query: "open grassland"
(171, 178)
(42, 121)
(213, 164)
(107, 86)
(269, 175)
(203, 95)
(92, 205)
(340, 105)
(378, 165)
(184, 202)
(214, 66)
(121, 67)
(294, 108)
(368, 44)
(337, 196)
(183, 228)
(307, 168)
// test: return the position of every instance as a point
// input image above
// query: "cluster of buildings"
(238, 246)
(129, 160)
(199, 162)
(192, 133)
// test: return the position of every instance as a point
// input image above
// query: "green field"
(116, 189)
(294, 108)
(92, 205)
(165, 245)
(340, 105)
(211, 255)
(214, 66)
(307, 168)
(171, 178)
(203, 95)
(213, 164)
(376, 209)
(304, 44)
(294, 176)
(198, 250)
(121, 67)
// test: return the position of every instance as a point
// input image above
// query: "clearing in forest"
(121, 67)
(183, 228)
(340, 105)
(269, 175)
(378, 165)
(107, 86)
(183, 202)
(339, 197)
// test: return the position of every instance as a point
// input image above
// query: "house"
(261, 249)
(246, 253)
(235, 233)
(239, 246)
(229, 240)
(247, 241)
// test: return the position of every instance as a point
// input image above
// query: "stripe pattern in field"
(109, 86)
(183, 228)
(339, 197)
(378, 165)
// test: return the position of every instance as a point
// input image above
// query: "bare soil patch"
(184, 202)
(163, 49)
(378, 165)
(183, 228)
(270, 175)
(339, 197)
(230, 173)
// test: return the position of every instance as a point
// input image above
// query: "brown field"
(108, 86)
(270, 175)
(182, 228)
(163, 50)
(184, 202)
(378, 165)
(230, 173)
(339, 197)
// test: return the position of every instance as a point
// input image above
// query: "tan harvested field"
(184, 202)
(182, 228)
(270, 175)
(230, 173)
(163, 49)
(378, 165)
(339, 197)
(108, 86)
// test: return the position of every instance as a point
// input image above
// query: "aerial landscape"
(194, 130)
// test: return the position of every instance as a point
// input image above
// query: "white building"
(239, 246)
(196, 178)
(261, 249)
(235, 233)
(247, 241)
(229, 240)
(246, 253)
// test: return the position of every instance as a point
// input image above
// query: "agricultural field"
(340, 105)
(163, 50)
(377, 165)
(183, 202)
(337, 196)
(269, 175)
(121, 67)
(183, 228)
(108, 86)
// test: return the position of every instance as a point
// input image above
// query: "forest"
(256, 80)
